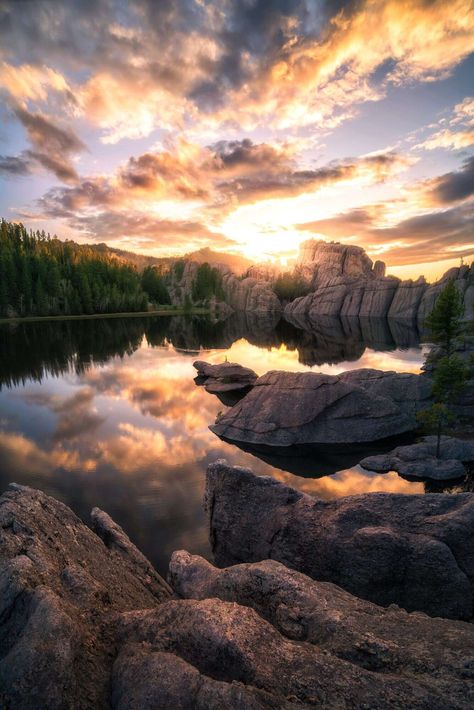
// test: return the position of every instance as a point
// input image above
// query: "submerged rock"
(420, 460)
(287, 408)
(410, 550)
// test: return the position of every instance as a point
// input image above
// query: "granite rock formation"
(288, 408)
(324, 615)
(420, 460)
(410, 550)
(241, 294)
(87, 623)
(59, 584)
(224, 376)
(344, 282)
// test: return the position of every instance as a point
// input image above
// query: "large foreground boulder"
(59, 584)
(87, 623)
(411, 550)
(324, 615)
(421, 461)
(287, 408)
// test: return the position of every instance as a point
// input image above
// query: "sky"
(247, 126)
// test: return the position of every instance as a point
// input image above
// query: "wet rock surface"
(414, 551)
(421, 461)
(288, 408)
(87, 623)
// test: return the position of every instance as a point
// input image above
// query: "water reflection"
(106, 412)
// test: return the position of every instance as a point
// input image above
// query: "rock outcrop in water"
(410, 550)
(421, 461)
(288, 408)
(344, 282)
(87, 623)
(224, 376)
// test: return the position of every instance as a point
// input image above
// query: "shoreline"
(92, 316)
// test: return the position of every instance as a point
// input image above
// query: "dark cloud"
(454, 186)
(244, 155)
(15, 165)
(65, 202)
(249, 35)
(288, 182)
(52, 146)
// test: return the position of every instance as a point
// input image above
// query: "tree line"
(42, 276)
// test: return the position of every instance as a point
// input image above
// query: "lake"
(106, 413)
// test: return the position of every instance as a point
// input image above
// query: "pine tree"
(444, 321)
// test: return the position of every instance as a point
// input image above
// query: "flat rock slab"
(287, 408)
(420, 460)
(224, 377)
(412, 550)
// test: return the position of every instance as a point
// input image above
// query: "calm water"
(106, 413)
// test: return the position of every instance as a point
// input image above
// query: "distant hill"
(237, 263)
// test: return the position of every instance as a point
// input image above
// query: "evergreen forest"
(43, 276)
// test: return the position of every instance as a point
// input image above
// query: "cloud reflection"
(131, 435)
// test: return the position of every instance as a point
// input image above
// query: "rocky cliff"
(250, 294)
(345, 282)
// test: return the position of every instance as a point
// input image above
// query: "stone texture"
(409, 391)
(344, 283)
(319, 262)
(59, 583)
(263, 272)
(435, 652)
(407, 298)
(87, 623)
(233, 658)
(224, 376)
(287, 408)
(247, 294)
(420, 460)
(411, 550)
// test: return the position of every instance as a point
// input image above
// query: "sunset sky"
(163, 126)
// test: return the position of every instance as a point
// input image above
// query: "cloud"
(52, 146)
(427, 237)
(15, 165)
(146, 198)
(290, 182)
(76, 414)
(289, 63)
(459, 134)
(449, 139)
(27, 82)
(453, 186)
